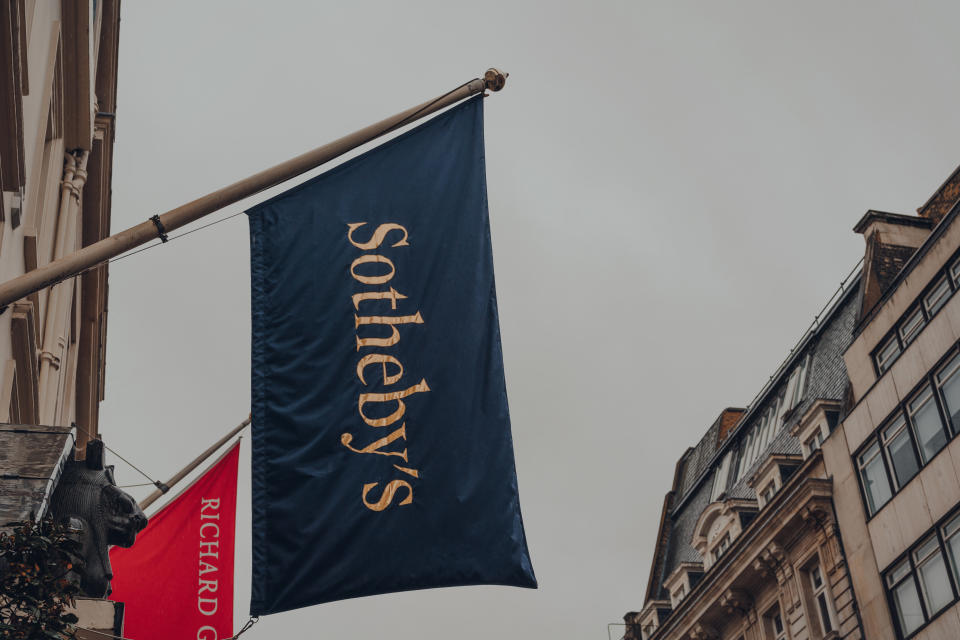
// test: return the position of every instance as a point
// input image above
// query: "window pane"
(824, 613)
(898, 572)
(934, 581)
(955, 271)
(888, 354)
(816, 577)
(907, 601)
(927, 424)
(874, 477)
(952, 540)
(949, 381)
(951, 527)
(911, 326)
(937, 296)
(903, 458)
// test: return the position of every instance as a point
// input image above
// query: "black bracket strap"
(161, 232)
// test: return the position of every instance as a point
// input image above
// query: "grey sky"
(672, 192)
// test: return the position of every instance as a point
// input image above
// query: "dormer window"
(650, 616)
(815, 426)
(718, 528)
(681, 580)
(771, 475)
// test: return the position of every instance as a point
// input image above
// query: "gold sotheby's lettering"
(379, 270)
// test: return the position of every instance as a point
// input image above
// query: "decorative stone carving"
(827, 537)
(702, 631)
(99, 513)
(736, 600)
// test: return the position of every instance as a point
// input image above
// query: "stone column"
(60, 300)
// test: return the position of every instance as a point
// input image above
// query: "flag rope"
(155, 483)
(246, 627)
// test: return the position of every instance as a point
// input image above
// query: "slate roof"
(826, 378)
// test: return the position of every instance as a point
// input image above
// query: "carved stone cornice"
(758, 553)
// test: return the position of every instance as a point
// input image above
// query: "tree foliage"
(35, 589)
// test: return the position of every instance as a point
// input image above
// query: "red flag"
(177, 580)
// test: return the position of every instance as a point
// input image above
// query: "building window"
(814, 442)
(948, 382)
(722, 478)
(721, 547)
(900, 453)
(823, 603)
(932, 572)
(888, 353)
(776, 630)
(927, 426)
(922, 584)
(873, 477)
(912, 323)
(955, 273)
(906, 598)
(917, 432)
(768, 492)
(911, 326)
(951, 540)
(937, 296)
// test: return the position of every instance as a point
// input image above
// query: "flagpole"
(180, 475)
(159, 226)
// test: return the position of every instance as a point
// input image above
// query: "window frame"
(769, 492)
(949, 274)
(938, 383)
(726, 540)
(949, 361)
(945, 529)
(931, 309)
(926, 389)
(917, 319)
(861, 467)
(900, 419)
(954, 273)
(823, 591)
(883, 364)
(817, 439)
(891, 584)
(773, 615)
(919, 563)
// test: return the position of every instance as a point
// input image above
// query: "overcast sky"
(672, 192)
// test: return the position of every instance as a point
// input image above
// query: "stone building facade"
(58, 84)
(59, 80)
(829, 508)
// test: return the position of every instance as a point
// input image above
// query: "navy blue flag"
(382, 455)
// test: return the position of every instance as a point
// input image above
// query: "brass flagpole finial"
(494, 79)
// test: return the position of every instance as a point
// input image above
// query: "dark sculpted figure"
(98, 513)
